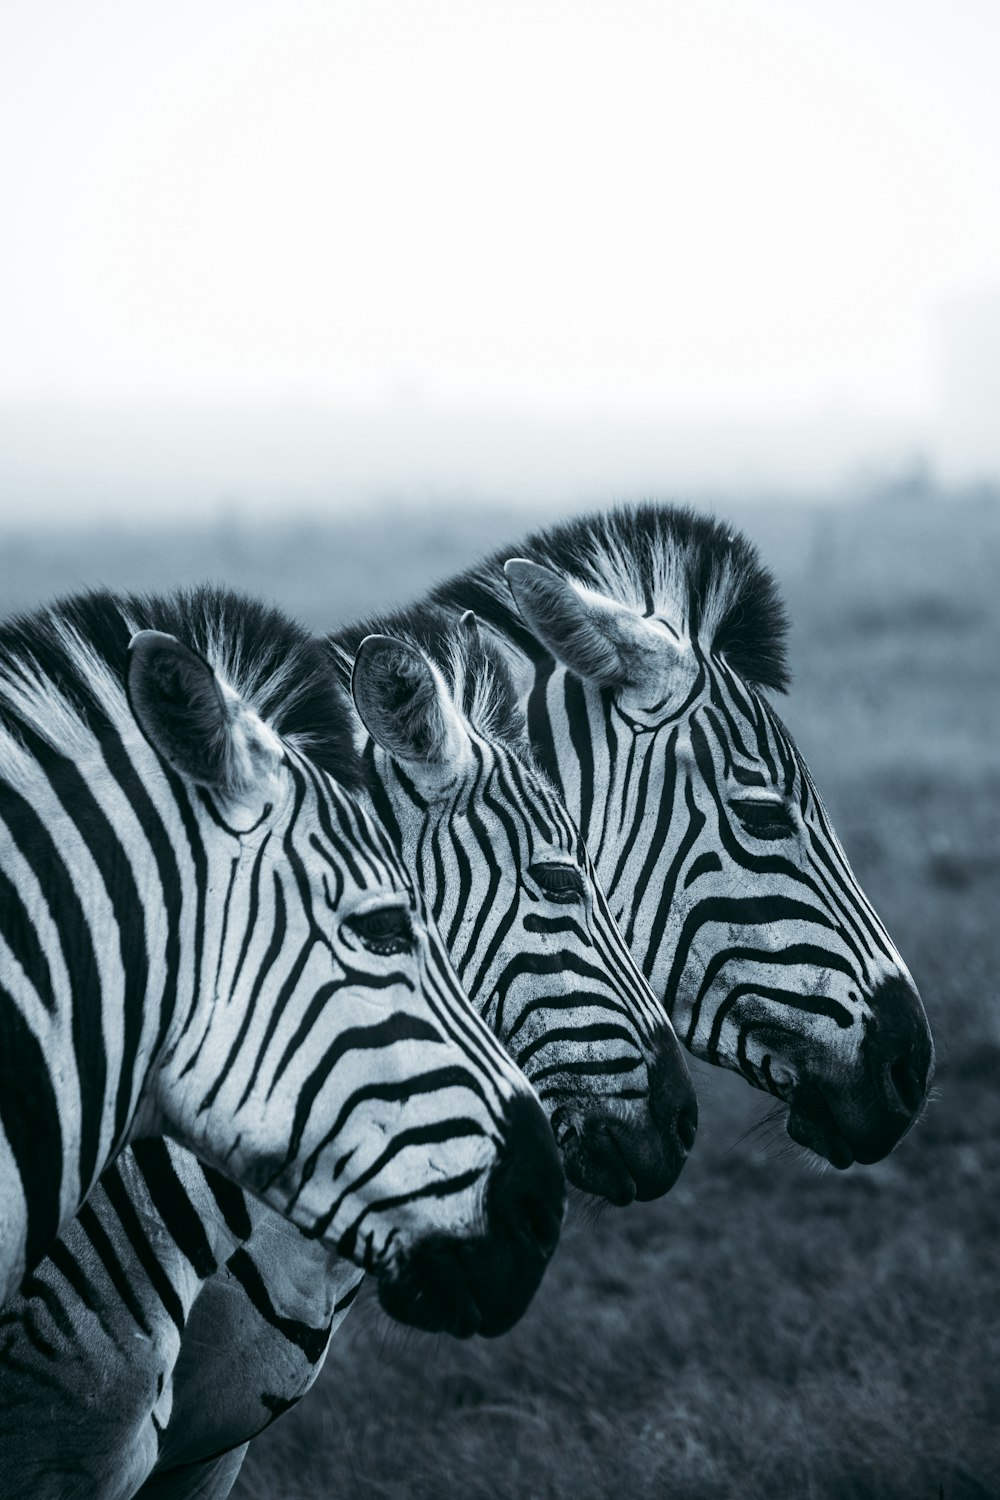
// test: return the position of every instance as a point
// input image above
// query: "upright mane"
(474, 669)
(705, 578)
(62, 670)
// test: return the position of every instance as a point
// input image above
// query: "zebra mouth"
(594, 1161)
(811, 1123)
(432, 1292)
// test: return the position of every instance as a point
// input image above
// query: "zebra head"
(515, 895)
(330, 1060)
(716, 852)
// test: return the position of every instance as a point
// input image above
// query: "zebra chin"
(822, 1127)
(446, 1283)
(609, 1157)
(622, 1154)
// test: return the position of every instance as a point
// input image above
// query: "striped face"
(724, 871)
(331, 1061)
(265, 986)
(515, 896)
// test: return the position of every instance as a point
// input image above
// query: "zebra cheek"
(838, 1050)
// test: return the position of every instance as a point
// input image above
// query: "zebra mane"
(475, 670)
(705, 578)
(62, 671)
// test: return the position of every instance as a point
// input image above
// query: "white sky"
(765, 208)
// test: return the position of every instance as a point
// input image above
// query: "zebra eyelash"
(764, 818)
(559, 882)
(386, 930)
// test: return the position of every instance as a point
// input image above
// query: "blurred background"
(259, 255)
(322, 300)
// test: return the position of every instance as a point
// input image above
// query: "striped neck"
(104, 970)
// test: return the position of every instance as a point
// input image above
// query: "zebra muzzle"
(611, 1155)
(862, 1115)
(484, 1282)
(624, 1149)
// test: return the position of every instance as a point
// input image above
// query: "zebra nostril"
(687, 1126)
(540, 1223)
(907, 1084)
(563, 1129)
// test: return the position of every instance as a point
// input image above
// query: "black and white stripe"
(512, 889)
(514, 893)
(183, 905)
(644, 642)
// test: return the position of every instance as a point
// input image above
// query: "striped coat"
(510, 884)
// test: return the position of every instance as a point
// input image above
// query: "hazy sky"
(766, 208)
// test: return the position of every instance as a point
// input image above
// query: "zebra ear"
(403, 702)
(200, 727)
(596, 637)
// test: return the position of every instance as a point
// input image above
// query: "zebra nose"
(864, 1116)
(654, 1141)
(526, 1195)
(900, 1050)
(672, 1099)
(687, 1126)
(907, 1079)
(677, 1124)
(538, 1223)
(525, 1200)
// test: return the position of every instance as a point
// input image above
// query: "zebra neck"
(92, 963)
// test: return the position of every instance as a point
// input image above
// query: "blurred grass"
(769, 1329)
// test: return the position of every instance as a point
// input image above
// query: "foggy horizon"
(258, 261)
(149, 462)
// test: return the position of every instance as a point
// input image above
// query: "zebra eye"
(561, 882)
(384, 931)
(764, 820)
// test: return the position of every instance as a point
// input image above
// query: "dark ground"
(769, 1329)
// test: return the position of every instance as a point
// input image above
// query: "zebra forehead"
(62, 668)
(703, 577)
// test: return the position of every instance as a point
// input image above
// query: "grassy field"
(769, 1329)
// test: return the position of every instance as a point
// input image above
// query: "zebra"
(644, 642)
(542, 954)
(510, 886)
(185, 890)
